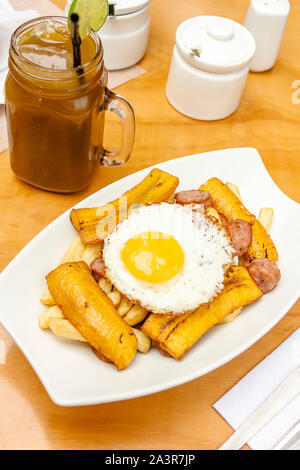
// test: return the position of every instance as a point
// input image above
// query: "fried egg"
(168, 258)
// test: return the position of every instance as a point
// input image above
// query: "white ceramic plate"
(70, 372)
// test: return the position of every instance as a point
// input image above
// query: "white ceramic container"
(209, 67)
(125, 33)
(266, 20)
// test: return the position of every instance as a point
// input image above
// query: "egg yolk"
(153, 257)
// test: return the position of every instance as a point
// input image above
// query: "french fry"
(227, 203)
(93, 224)
(92, 313)
(135, 315)
(105, 285)
(115, 296)
(74, 253)
(235, 189)
(124, 306)
(265, 217)
(51, 312)
(63, 328)
(90, 253)
(177, 334)
(46, 298)
(229, 318)
(144, 342)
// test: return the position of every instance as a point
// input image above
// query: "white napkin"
(10, 20)
(243, 399)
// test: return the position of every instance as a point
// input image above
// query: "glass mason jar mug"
(55, 113)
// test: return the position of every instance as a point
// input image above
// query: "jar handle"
(122, 108)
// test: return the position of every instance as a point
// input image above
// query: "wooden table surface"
(267, 119)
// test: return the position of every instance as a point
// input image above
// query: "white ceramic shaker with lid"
(125, 33)
(209, 67)
(266, 19)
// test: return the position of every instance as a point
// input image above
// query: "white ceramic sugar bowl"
(209, 67)
(125, 33)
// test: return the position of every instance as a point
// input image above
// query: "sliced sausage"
(98, 268)
(241, 235)
(265, 273)
(194, 196)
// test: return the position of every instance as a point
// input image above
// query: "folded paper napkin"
(12, 14)
(243, 399)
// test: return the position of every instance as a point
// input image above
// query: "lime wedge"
(92, 14)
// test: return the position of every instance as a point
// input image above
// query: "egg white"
(207, 253)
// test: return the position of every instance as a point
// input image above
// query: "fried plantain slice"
(92, 312)
(93, 224)
(227, 203)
